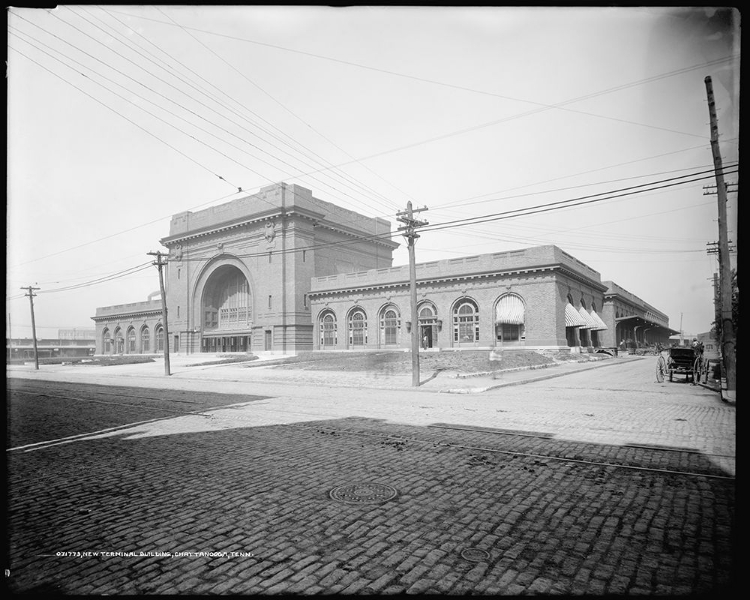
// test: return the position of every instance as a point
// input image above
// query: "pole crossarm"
(31, 296)
(725, 276)
(410, 224)
(159, 264)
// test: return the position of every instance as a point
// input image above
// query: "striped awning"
(573, 317)
(601, 325)
(590, 323)
(510, 310)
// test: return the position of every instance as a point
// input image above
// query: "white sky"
(449, 108)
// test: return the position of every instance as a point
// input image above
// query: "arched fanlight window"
(389, 324)
(145, 339)
(131, 341)
(106, 342)
(119, 341)
(357, 328)
(510, 316)
(466, 323)
(159, 339)
(328, 335)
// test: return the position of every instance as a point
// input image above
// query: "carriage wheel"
(697, 370)
(661, 368)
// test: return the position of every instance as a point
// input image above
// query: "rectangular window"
(511, 333)
(269, 258)
(304, 300)
(304, 255)
(269, 301)
(178, 311)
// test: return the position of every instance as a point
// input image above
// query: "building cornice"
(317, 219)
(126, 315)
(447, 279)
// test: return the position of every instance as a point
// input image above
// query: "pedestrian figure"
(425, 342)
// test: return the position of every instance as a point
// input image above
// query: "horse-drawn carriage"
(679, 361)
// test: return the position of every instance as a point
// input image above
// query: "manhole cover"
(475, 555)
(363, 493)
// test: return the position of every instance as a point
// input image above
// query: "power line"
(510, 214)
(454, 224)
(123, 116)
(103, 279)
(295, 115)
(129, 46)
(543, 106)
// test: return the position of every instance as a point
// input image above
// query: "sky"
(587, 128)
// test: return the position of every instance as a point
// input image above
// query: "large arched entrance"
(226, 311)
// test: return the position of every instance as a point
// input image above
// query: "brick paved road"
(547, 513)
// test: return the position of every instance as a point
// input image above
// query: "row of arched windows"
(465, 324)
(130, 342)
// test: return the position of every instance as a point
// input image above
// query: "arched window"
(585, 329)
(119, 342)
(106, 342)
(357, 328)
(131, 341)
(159, 339)
(428, 325)
(466, 323)
(389, 324)
(510, 316)
(145, 340)
(227, 301)
(328, 337)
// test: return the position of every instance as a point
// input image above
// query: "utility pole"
(409, 227)
(33, 323)
(725, 274)
(159, 264)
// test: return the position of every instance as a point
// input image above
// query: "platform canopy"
(638, 321)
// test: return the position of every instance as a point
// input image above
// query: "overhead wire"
(510, 214)
(115, 234)
(190, 84)
(457, 223)
(328, 165)
(201, 165)
(543, 106)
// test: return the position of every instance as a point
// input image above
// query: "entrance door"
(425, 336)
(269, 341)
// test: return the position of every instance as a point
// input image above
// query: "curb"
(530, 380)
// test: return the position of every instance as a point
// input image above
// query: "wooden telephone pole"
(725, 274)
(159, 264)
(409, 227)
(33, 323)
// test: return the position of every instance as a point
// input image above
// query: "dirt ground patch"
(466, 361)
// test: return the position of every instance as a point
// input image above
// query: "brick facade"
(542, 278)
(283, 271)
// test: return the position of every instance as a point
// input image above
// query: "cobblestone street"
(360, 504)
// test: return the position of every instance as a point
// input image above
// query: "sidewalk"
(187, 368)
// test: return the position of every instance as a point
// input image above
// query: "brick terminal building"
(283, 271)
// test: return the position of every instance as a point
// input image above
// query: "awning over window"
(590, 323)
(573, 317)
(510, 310)
(601, 324)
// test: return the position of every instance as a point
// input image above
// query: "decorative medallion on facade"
(270, 234)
